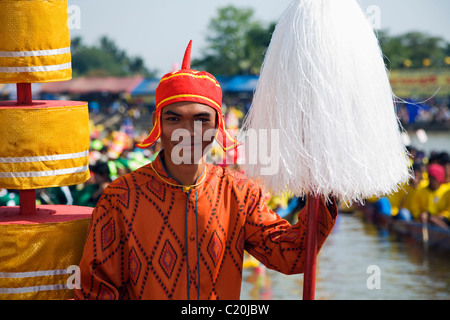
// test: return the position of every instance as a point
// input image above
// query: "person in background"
(446, 165)
(402, 200)
(442, 216)
(9, 198)
(425, 199)
(89, 193)
(55, 195)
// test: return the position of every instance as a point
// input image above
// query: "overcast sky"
(159, 30)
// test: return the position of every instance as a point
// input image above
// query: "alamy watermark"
(374, 280)
(74, 281)
(261, 148)
(373, 14)
(74, 20)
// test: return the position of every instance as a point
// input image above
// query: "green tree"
(105, 59)
(422, 46)
(412, 49)
(236, 43)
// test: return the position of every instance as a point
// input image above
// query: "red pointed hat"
(194, 86)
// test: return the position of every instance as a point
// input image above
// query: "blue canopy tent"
(146, 87)
(413, 107)
(223, 81)
(241, 84)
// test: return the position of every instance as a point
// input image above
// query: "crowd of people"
(432, 113)
(426, 198)
(113, 153)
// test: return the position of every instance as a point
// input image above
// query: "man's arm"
(276, 243)
(103, 262)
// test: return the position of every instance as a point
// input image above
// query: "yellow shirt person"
(443, 205)
(403, 198)
(426, 199)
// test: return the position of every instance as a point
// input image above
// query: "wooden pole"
(27, 197)
(309, 277)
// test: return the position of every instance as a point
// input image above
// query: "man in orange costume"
(173, 230)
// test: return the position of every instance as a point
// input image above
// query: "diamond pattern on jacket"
(134, 266)
(215, 248)
(108, 234)
(167, 259)
(105, 293)
(157, 188)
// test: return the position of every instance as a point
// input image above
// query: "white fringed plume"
(324, 86)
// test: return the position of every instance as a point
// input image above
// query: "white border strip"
(34, 53)
(31, 274)
(48, 173)
(45, 158)
(36, 69)
(33, 289)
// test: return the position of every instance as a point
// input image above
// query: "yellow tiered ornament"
(44, 144)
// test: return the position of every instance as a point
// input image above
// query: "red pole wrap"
(27, 197)
(24, 95)
(309, 278)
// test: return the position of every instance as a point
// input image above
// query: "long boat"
(432, 236)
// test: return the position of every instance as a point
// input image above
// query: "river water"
(430, 141)
(345, 269)
(346, 263)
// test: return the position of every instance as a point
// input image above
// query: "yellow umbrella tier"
(39, 257)
(34, 41)
(44, 145)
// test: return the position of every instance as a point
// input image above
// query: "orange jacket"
(150, 240)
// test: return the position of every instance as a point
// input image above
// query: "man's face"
(188, 128)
